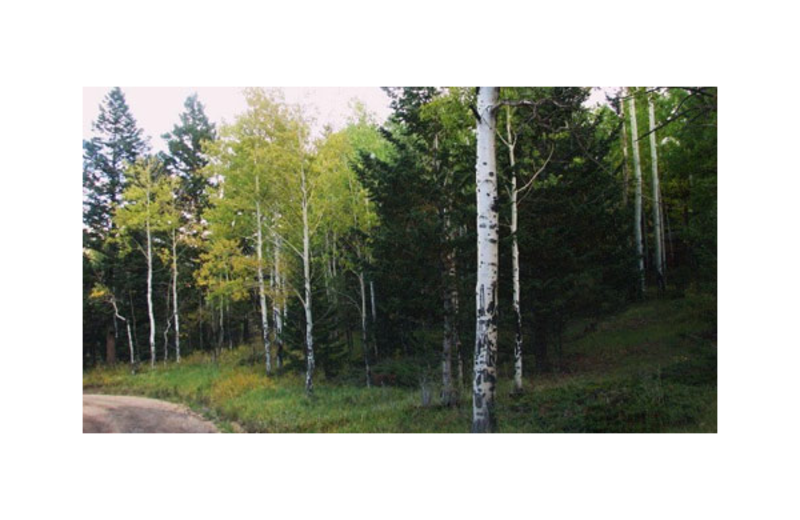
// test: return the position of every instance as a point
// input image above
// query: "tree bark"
(307, 284)
(637, 170)
(276, 307)
(515, 258)
(364, 337)
(111, 347)
(373, 336)
(625, 173)
(450, 331)
(262, 298)
(150, 291)
(175, 299)
(117, 315)
(659, 236)
(483, 388)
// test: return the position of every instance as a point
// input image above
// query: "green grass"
(652, 368)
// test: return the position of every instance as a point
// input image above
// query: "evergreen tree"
(187, 144)
(422, 224)
(118, 143)
(187, 158)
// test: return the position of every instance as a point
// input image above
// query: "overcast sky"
(156, 109)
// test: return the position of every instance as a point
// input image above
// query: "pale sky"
(156, 109)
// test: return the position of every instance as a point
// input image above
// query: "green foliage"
(392, 206)
(686, 136)
(429, 173)
(148, 201)
(186, 158)
(118, 143)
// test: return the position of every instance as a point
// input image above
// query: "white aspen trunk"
(658, 234)
(625, 173)
(364, 337)
(168, 320)
(284, 313)
(307, 283)
(276, 308)
(166, 337)
(175, 299)
(128, 327)
(483, 388)
(130, 344)
(262, 298)
(515, 259)
(637, 170)
(150, 292)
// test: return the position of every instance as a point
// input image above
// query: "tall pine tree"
(117, 143)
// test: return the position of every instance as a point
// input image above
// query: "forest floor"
(124, 414)
(650, 368)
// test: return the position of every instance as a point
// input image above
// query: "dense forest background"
(353, 253)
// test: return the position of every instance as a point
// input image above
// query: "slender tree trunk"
(262, 298)
(150, 296)
(130, 344)
(276, 306)
(285, 312)
(335, 258)
(625, 173)
(167, 322)
(483, 388)
(658, 234)
(515, 258)
(111, 347)
(175, 299)
(229, 327)
(637, 170)
(372, 300)
(117, 315)
(307, 283)
(449, 295)
(374, 324)
(221, 331)
(133, 322)
(364, 337)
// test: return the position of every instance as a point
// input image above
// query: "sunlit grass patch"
(650, 368)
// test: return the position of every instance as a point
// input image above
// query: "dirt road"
(123, 414)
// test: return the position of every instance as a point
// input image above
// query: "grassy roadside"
(651, 368)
